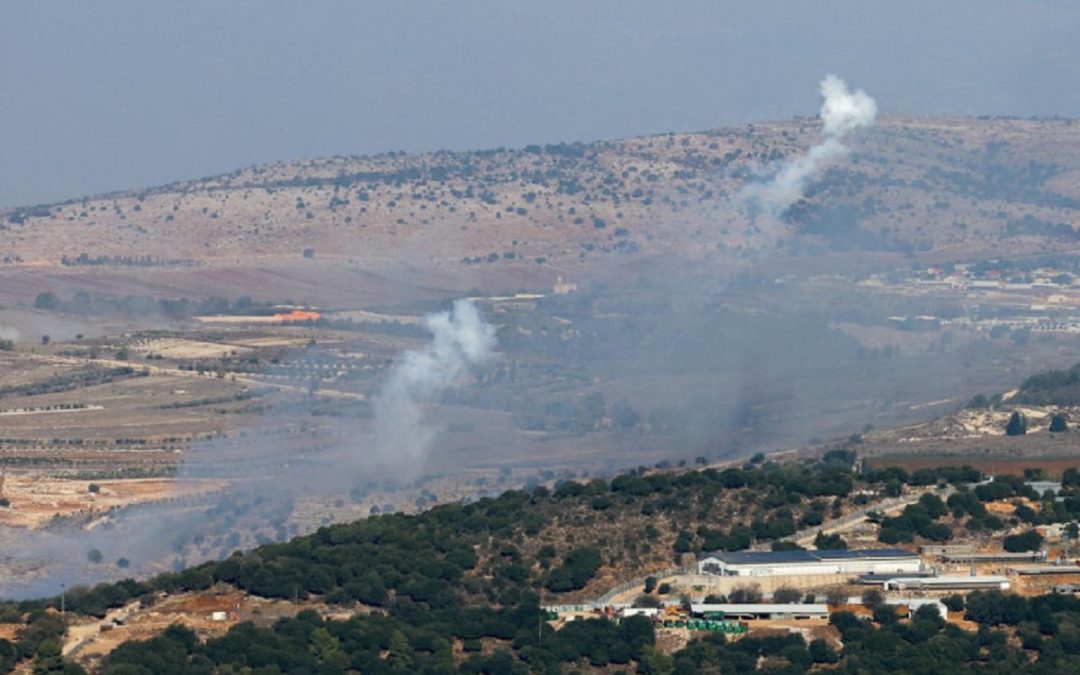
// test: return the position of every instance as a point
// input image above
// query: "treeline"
(935, 519)
(82, 302)
(1046, 630)
(382, 644)
(78, 379)
(575, 416)
(85, 259)
(1014, 635)
(395, 328)
(1051, 387)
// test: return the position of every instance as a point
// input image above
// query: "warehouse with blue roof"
(784, 563)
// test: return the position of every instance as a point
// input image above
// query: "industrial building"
(762, 611)
(879, 579)
(948, 583)
(1038, 570)
(996, 557)
(891, 561)
(913, 605)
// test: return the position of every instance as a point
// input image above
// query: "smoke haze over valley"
(563, 288)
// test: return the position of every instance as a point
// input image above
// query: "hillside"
(455, 589)
(954, 186)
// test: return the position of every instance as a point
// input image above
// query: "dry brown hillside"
(951, 185)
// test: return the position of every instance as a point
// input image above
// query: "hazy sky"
(97, 95)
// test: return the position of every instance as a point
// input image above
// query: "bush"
(1058, 423)
(873, 598)
(829, 542)
(579, 566)
(647, 601)
(1027, 541)
(786, 594)
(1017, 425)
(885, 615)
(837, 595)
(748, 594)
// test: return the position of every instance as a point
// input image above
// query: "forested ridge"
(458, 588)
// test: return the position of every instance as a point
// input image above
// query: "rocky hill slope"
(955, 186)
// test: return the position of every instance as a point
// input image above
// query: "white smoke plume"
(842, 111)
(461, 340)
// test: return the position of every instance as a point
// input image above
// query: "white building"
(794, 563)
(763, 610)
(948, 583)
(913, 605)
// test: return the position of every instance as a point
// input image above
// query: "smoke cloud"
(155, 537)
(461, 340)
(842, 111)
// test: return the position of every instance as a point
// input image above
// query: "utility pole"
(63, 587)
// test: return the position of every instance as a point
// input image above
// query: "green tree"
(1026, 541)
(46, 301)
(400, 655)
(829, 542)
(327, 649)
(1017, 425)
(786, 594)
(1058, 423)
(49, 658)
(873, 598)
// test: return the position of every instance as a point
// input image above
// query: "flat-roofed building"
(890, 561)
(913, 605)
(762, 610)
(948, 583)
(995, 557)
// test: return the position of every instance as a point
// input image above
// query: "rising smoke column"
(842, 111)
(461, 340)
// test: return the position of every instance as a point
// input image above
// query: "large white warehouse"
(783, 563)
